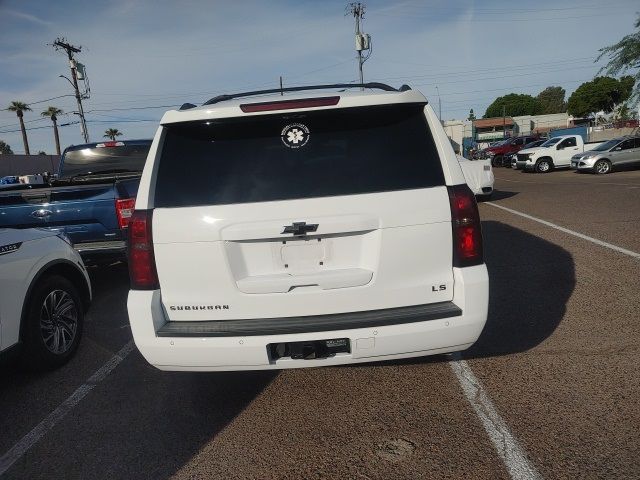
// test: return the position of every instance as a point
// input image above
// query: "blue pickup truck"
(90, 199)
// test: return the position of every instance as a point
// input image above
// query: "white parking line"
(570, 232)
(20, 448)
(507, 446)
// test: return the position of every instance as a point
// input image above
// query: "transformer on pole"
(363, 40)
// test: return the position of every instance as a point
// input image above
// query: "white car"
(44, 292)
(479, 176)
(315, 226)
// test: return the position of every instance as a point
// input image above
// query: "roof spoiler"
(375, 85)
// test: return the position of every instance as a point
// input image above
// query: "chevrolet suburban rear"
(310, 226)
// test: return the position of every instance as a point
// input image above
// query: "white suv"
(306, 227)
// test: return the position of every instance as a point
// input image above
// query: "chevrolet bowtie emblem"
(300, 228)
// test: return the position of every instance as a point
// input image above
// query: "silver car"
(618, 152)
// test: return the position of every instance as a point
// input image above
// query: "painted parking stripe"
(20, 448)
(570, 232)
(505, 443)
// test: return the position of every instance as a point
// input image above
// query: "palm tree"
(19, 108)
(112, 133)
(52, 113)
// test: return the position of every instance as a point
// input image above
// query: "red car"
(499, 152)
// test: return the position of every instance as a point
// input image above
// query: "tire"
(53, 321)
(496, 161)
(602, 167)
(544, 166)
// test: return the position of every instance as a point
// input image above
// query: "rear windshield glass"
(297, 155)
(91, 161)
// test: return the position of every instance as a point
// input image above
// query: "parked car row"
(570, 151)
(566, 151)
(501, 152)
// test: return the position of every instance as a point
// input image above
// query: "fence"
(28, 164)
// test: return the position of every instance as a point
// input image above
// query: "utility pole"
(504, 122)
(363, 40)
(62, 44)
(439, 105)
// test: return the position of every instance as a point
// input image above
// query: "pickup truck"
(500, 153)
(554, 153)
(90, 199)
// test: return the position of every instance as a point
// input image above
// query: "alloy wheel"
(58, 321)
(602, 167)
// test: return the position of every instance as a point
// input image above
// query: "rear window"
(96, 160)
(297, 155)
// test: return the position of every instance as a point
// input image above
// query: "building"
(492, 129)
(540, 124)
(457, 131)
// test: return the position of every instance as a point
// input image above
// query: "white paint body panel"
(478, 175)
(371, 252)
(561, 158)
(18, 270)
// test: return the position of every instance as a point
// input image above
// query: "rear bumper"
(102, 252)
(455, 328)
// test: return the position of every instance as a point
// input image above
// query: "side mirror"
(560, 147)
(617, 149)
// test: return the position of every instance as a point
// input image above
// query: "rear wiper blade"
(103, 172)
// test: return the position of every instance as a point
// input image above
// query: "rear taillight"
(124, 209)
(465, 221)
(142, 263)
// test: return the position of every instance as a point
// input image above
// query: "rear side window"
(297, 155)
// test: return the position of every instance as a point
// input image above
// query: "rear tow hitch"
(310, 350)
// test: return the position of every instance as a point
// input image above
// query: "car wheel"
(497, 161)
(602, 167)
(543, 166)
(53, 319)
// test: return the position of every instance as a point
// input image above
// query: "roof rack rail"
(376, 85)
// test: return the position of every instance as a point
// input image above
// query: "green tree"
(472, 116)
(52, 113)
(20, 108)
(552, 100)
(112, 133)
(600, 94)
(42, 152)
(514, 105)
(624, 56)
(5, 148)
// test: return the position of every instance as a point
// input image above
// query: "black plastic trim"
(312, 323)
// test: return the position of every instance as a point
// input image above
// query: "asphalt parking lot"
(549, 391)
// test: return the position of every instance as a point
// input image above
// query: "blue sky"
(149, 53)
